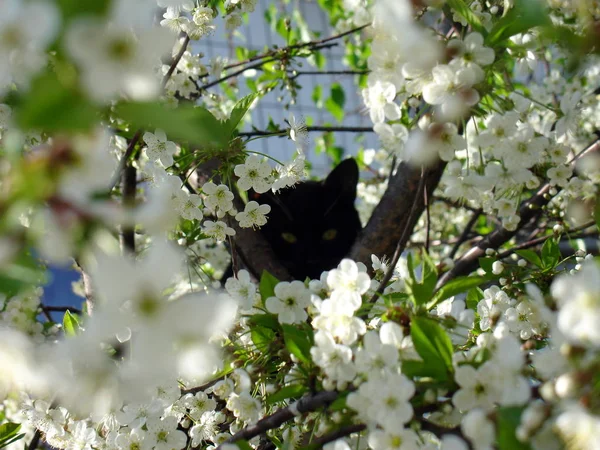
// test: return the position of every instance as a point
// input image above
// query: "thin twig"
(278, 418)
(234, 74)
(401, 242)
(35, 440)
(530, 209)
(301, 45)
(335, 435)
(296, 73)
(50, 308)
(136, 137)
(540, 240)
(427, 218)
(282, 132)
(465, 233)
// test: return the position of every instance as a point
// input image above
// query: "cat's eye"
(289, 237)
(329, 234)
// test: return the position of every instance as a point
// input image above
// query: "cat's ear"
(344, 179)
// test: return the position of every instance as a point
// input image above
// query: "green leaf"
(416, 369)
(186, 122)
(51, 105)
(335, 153)
(298, 341)
(267, 285)
(291, 391)
(421, 289)
(243, 444)
(262, 337)
(454, 287)
(434, 346)
(597, 210)
(508, 419)
(70, 324)
(9, 430)
(336, 101)
(474, 296)
(550, 254)
(524, 15)
(239, 111)
(317, 95)
(531, 256)
(486, 264)
(264, 329)
(8, 433)
(74, 8)
(464, 10)
(20, 274)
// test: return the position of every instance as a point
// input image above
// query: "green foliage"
(291, 391)
(188, 123)
(20, 274)
(54, 105)
(336, 101)
(524, 15)
(551, 256)
(435, 348)
(9, 433)
(267, 285)
(70, 324)
(454, 287)
(508, 419)
(76, 8)
(264, 329)
(530, 256)
(239, 111)
(474, 296)
(421, 288)
(464, 10)
(298, 341)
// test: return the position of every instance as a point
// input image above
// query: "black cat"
(313, 225)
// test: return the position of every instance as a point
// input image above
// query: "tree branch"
(278, 418)
(390, 226)
(335, 435)
(530, 209)
(282, 133)
(296, 46)
(250, 245)
(403, 238)
(136, 137)
(465, 233)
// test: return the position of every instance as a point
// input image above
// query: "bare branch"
(403, 239)
(278, 418)
(335, 435)
(282, 132)
(530, 210)
(390, 226)
(138, 133)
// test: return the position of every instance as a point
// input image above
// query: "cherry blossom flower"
(379, 98)
(26, 29)
(115, 59)
(254, 215)
(255, 173)
(348, 285)
(579, 308)
(219, 199)
(242, 289)
(290, 302)
(452, 89)
(218, 230)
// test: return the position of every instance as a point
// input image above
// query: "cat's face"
(312, 226)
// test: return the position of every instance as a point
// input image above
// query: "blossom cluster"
(166, 355)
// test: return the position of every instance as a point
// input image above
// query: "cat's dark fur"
(313, 225)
